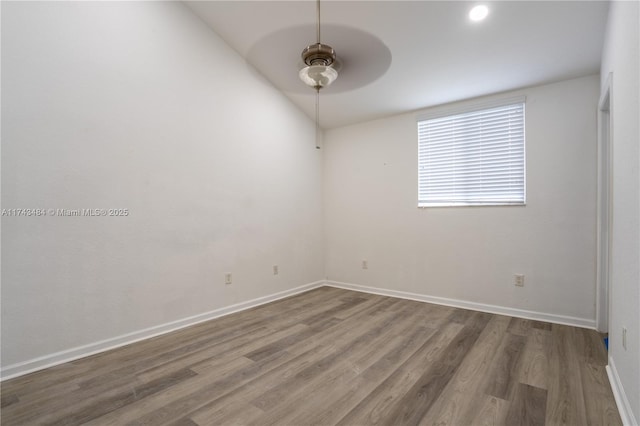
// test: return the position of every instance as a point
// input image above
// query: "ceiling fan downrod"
(318, 58)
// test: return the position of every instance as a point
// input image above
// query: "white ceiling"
(423, 53)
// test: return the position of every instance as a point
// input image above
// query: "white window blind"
(472, 158)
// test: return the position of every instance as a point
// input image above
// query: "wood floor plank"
(266, 371)
(154, 359)
(80, 413)
(9, 399)
(280, 406)
(414, 405)
(335, 403)
(599, 402)
(194, 397)
(295, 346)
(380, 404)
(520, 326)
(486, 410)
(590, 346)
(460, 316)
(456, 404)
(565, 399)
(214, 381)
(224, 350)
(350, 356)
(184, 422)
(372, 299)
(502, 379)
(347, 303)
(348, 328)
(332, 356)
(211, 366)
(541, 325)
(237, 412)
(270, 391)
(528, 407)
(534, 363)
(57, 378)
(265, 351)
(115, 383)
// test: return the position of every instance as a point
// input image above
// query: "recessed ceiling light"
(478, 13)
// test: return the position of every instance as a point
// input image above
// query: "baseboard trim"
(50, 360)
(40, 363)
(624, 407)
(494, 309)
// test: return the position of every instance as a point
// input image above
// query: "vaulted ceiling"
(399, 56)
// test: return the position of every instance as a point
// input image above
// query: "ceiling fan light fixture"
(318, 76)
(318, 72)
(478, 13)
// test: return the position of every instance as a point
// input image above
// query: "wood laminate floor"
(332, 356)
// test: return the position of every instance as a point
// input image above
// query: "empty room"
(320, 212)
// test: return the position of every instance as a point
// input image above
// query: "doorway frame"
(604, 202)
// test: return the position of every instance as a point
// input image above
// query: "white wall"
(621, 56)
(471, 253)
(139, 105)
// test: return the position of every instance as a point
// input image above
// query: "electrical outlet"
(365, 264)
(227, 278)
(275, 270)
(624, 338)
(518, 280)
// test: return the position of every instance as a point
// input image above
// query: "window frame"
(455, 110)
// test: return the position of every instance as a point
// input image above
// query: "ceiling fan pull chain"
(318, 118)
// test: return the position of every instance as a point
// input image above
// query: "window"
(472, 158)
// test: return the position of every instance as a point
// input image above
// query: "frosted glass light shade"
(478, 13)
(318, 76)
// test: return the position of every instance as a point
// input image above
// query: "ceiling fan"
(320, 68)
